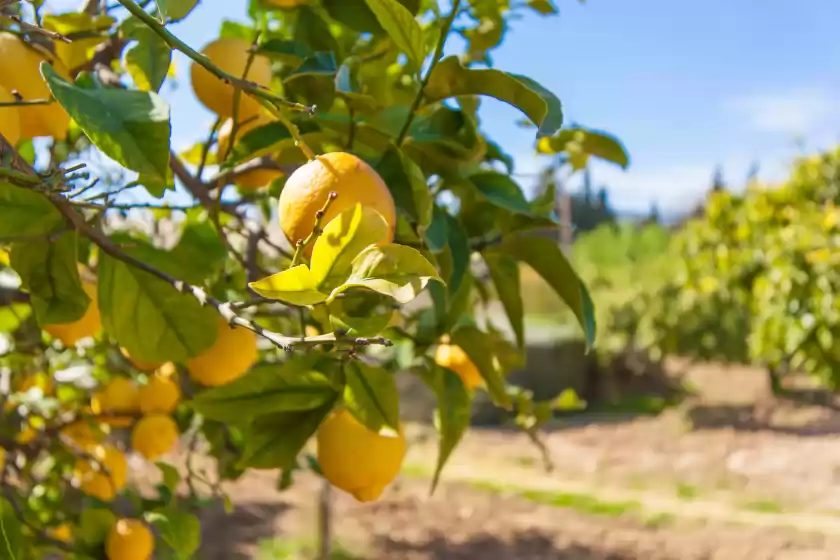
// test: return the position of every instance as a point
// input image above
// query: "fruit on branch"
(88, 325)
(120, 396)
(81, 433)
(233, 353)
(154, 435)
(453, 357)
(91, 476)
(78, 52)
(231, 55)
(357, 459)
(307, 189)
(257, 178)
(160, 395)
(140, 364)
(9, 119)
(20, 71)
(61, 533)
(129, 539)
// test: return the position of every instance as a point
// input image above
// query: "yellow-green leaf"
(402, 27)
(587, 142)
(295, 285)
(394, 270)
(25, 212)
(480, 349)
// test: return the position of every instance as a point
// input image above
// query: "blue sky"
(686, 84)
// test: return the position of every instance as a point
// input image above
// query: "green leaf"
(94, 524)
(371, 397)
(394, 270)
(293, 386)
(179, 529)
(360, 312)
(343, 238)
(200, 252)
(437, 234)
(451, 79)
(591, 142)
(348, 87)
(170, 474)
(355, 14)
(49, 271)
(501, 190)
(544, 7)
(288, 52)
(150, 318)
(147, 60)
(13, 316)
(11, 532)
(459, 244)
(452, 417)
(402, 27)
(504, 271)
(480, 349)
(131, 127)
(176, 10)
(313, 31)
(318, 64)
(408, 186)
(295, 285)
(26, 212)
(545, 257)
(275, 440)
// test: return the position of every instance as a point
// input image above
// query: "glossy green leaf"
(288, 52)
(295, 285)
(408, 186)
(544, 7)
(26, 212)
(94, 525)
(179, 529)
(129, 126)
(504, 271)
(133, 303)
(356, 14)
(394, 270)
(313, 31)
(346, 85)
(292, 386)
(402, 27)
(200, 251)
(360, 312)
(459, 244)
(317, 64)
(148, 57)
(437, 234)
(501, 190)
(545, 257)
(274, 441)
(343, 238)
(371, 397)
(49, 272)
(452, 417)
(591, 142)
(171, 476)
(176, 10)
(480, 349)
(451, 79)
(11, 532)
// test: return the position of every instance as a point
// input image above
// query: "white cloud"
(801, 111)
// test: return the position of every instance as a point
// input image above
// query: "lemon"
(119, 396)
(161, 394)
(308, 188)
(61, 533)
(154, 435)
(140, 364)
(356, 459)
(231, 55)
(20, 71)
(93, 480)
(233, 353)
(453, 357)
(9, 119)
(88, 325)
(81, 433)
(257, 178)
(129, 539)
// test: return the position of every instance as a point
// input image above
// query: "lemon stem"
(316, 230)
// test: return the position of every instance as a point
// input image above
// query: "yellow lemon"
(140, 364)
(231, 55)
(356, 459)
(79, 51)
(233, 353)
(253, 179)
(20, 71)
(61, 533)
(161, 394)
(129, 539)
(88, 325)
(9, 119)
(308, 188)
(453, 357)
(81, 433)
(93, 479)
(120, 395)
(154, 435)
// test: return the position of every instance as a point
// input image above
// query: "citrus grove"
(346, 221)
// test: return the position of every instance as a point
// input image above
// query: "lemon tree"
(346, 221)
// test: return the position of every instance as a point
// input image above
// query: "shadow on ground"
(530, 545)
(229, 536)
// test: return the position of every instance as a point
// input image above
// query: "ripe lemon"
(20, 71)
(154, 435)
(88, 325)
(140, 364)
(9, 119)
(79, 51)
(61, 533)
(120, 395)
(129, 539)
(253, 179)
(356, 459)
(307, 189)
(453, 357)
(93, 480)
(161, 394)
(81, 433)
(233, 353)
(231, 55)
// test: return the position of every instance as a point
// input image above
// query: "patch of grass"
(416, 470)
(583, 503)
(641, 404)
(687, 491)
(297, 549)
(764, 506)
(525, 461)
(660, 520)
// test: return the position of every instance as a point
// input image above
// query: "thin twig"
(205, 148)
(26, 102)
(316, 230)
(29, 28)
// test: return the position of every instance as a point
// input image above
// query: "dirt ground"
(731, 473)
